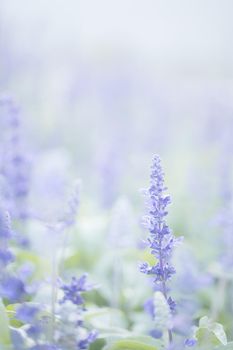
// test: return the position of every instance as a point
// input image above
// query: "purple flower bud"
(190, 342)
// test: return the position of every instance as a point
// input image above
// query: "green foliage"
(134, 343)
(112, 328)
(229, 346)
(5, 338)
(210, 333)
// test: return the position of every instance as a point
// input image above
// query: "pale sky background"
(181, 37)
(99, 61)
(129, 76)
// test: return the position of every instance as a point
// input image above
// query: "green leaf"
(162, 317)
(135, 343)
(210, 332)
(5, 337)
(229, 346)
(113, 332)
(106, 318)
(219, 332)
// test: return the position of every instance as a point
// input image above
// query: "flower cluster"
(72, 291)
(14, 188)
(69, 327)
(73, 295)
(40, 328)
(161, 240)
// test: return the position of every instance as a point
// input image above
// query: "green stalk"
(218, 303)
(53, 294)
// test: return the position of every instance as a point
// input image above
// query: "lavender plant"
(70, 330)
(78, 337)
(161, 240)
(5, 234)
(53, 315)
(15, 164)
(12, 287)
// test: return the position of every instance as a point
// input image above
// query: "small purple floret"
(72, 291)
(190, 342)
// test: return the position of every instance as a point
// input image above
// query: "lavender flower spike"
(161, 240)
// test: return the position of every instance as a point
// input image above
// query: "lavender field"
(116, 176)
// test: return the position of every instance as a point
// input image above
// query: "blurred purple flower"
(68, 219)
(155, 333)
(6, 257)
(225, 223)
(191, 277)
(34, 330)
(5, 224)
(27, 313)
(12, 288)
(72, 206)
(45, 347)
(109, 168)
(15, 166)
(84, 344)
(149, 307)
(25, 271)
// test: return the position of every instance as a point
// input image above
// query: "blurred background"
(103, 85)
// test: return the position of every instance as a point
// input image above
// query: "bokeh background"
(103, 85)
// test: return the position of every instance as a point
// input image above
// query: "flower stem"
(164, 289)
(53, 295)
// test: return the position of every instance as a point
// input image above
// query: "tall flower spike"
(5, 234)
(15, 165)
(72, 205)
(161, 240)
(70, 212)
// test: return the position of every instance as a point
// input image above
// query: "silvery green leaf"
(229, 346)
(162, 315)
(5, 338)
(209, 331)
(135, 343)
